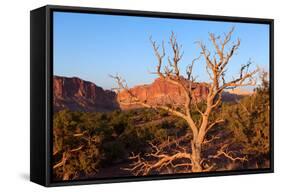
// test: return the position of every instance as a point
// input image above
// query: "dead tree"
(216, 67)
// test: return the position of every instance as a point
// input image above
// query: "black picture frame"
(41, 71)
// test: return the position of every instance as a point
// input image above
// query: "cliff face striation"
(78, 95)
(162, 92)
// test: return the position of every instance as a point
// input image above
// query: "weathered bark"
(196, 156)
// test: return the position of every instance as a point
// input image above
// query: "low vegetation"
(197, 136)
(85, 143)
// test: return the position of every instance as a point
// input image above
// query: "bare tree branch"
(218, 121)
(190, 68)
(160, 160)
(224, 152)
(159, 55)
(216, 68)
(62, 162)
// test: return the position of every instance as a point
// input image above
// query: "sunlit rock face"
(78, 95)
(162, 92)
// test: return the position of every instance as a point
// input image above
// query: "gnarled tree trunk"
(216, 69)
(196, 155)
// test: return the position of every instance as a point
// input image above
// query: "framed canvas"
(123, 95)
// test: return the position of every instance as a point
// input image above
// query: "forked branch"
(223, 151)
(158, 160)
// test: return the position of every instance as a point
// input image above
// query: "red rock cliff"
(78, 95)
(162, 92)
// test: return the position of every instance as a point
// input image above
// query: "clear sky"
(92, 46)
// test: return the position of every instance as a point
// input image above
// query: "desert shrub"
(113, 151)
(163, 113)
(119, 122)
(136, 138)
(92, 140)
(249, 121)
(75, 147)
(181, 126)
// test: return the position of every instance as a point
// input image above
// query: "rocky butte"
(162, 92)
(76, 94)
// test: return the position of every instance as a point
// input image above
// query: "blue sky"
(92, 46)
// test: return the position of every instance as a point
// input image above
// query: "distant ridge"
(76, 94)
